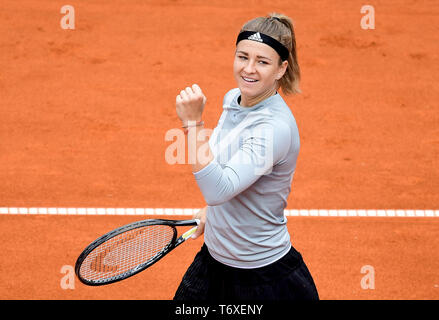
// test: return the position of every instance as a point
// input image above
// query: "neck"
(249, 102)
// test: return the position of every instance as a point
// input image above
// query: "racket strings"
(125, 252)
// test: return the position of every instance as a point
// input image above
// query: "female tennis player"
(244, 171)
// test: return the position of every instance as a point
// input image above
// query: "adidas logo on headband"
(256, 37)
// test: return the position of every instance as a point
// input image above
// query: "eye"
(263, 62)
(242, 57)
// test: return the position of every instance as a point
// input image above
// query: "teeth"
(249, 80)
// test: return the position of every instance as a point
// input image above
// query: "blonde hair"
(280, 27)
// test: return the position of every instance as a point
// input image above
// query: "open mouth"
(249, 80)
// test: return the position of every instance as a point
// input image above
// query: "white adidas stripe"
(255, 37)
(191, 211)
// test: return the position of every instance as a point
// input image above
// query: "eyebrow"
(246, 54)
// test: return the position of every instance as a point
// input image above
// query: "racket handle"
(188, 233)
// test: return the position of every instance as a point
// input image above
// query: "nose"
(250, 66)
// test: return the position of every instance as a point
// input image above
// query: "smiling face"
(256, 70)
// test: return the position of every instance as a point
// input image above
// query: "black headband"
(263, 38)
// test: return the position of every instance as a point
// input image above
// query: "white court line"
(190, 211)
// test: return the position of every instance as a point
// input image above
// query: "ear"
(282, 69)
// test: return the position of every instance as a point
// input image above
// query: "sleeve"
(259, 152)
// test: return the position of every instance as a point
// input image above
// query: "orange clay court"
(84, 113)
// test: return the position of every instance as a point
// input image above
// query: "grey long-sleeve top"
(247, 184)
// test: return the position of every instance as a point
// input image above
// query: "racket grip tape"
(188, 233)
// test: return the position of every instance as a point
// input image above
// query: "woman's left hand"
(190, 104)
(200, 215)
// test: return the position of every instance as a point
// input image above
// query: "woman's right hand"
(200, 215)
(190, 104)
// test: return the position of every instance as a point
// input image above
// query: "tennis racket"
(127, 250)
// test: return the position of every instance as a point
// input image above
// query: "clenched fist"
(190, 104)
